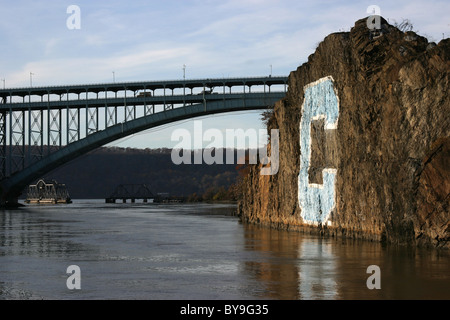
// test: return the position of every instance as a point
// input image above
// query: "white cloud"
(151, 40)
(95, 69)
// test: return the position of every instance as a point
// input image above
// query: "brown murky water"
(196, 252)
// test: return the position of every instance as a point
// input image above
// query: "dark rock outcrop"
(390, 149)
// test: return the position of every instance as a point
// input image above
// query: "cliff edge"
(364, 144)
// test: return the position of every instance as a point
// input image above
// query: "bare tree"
(266, 116)
(404, 26)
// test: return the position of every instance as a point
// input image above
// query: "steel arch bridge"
(42, 128)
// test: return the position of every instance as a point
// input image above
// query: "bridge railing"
(268, 80)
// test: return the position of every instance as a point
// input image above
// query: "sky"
(153, 40)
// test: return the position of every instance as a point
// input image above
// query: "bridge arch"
(12, 187)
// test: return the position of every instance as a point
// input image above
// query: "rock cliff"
(377, 156)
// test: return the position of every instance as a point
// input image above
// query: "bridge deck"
(68, 121)
(124, 101)
(144, 85)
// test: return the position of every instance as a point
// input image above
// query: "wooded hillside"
(96, 175)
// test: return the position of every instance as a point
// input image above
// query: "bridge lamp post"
(114, 77)
(31, 79)
(4, 80)
(184, 83)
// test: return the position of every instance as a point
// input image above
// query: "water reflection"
(275, 267)
(317, 270)
(26, 233)
(298, 266)
(187, 252)
(294, 267)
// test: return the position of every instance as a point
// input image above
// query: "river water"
(196, 251)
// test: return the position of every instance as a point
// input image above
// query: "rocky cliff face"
(374, 112)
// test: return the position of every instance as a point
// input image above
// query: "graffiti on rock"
(317, 201)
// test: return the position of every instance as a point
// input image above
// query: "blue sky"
(152, 40)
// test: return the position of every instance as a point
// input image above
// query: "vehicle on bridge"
(144, 94)
(204, 92)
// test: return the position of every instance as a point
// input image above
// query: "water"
(196, 251)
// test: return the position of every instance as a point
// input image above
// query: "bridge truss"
(43, 127)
